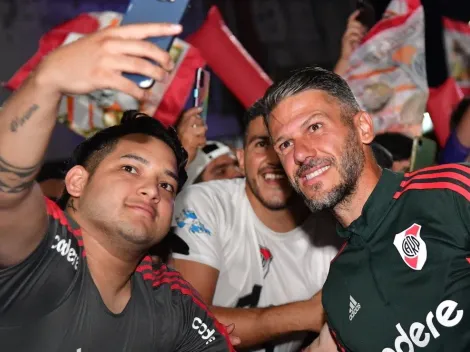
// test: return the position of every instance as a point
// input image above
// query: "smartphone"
(366, 13)
(201, 91)
(154, 11)
(423, 153)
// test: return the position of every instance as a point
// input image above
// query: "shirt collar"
(375, 208)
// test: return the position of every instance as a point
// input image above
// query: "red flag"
(85, 114)
(229, 60)
(442, 101)
(169, 98)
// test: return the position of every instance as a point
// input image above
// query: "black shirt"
(402, 282)
(50, 303)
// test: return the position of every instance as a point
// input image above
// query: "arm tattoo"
(14, 179)
(20, 121)
(72, 206)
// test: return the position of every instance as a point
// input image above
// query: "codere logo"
(444, 316)
(203, 330)
(64, 249)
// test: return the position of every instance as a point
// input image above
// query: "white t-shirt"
(257, 266)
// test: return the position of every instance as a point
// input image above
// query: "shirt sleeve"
(196, 222)
(462, 199)
(35, 286)
(199, 329)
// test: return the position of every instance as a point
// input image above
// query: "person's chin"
(316, 191)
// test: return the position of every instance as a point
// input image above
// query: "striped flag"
(86, 114)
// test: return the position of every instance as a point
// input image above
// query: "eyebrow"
(136, 157)
(172, 175)
(146, 162)
(224, 165)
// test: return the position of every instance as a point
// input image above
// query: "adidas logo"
(353, 308)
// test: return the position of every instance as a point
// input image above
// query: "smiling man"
(79, 279)
(402, 281)
(252, 244)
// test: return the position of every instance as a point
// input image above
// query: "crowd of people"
(313, 236)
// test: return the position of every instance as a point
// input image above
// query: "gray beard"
(350, 168)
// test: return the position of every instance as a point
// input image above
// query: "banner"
(387, 73)
(86, 114)
(457, 42)
(456, 37)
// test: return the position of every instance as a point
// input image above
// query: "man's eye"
(284, 145)
(168, 187)
(261, 144)
(130, 169)
(315, 127)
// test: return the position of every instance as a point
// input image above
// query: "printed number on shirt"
(251, 300)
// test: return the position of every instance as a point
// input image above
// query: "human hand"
(323, 343)
(234, 340)
(353, 35)
(98, 60)
(192, 132)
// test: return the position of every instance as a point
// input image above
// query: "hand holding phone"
(154, 11)
(201, 91)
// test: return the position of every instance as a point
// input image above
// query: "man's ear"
(364, 127)
(76, 180)
(241, 159)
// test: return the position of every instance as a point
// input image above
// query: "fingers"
(138, 48)
(199, 131)
(118, 82)
(192, 121)
(357, 26)
(353, 17)
(353, 37)
(192, 112)
(130, 64)
(354, 23)
(235, 340)
(230, 328)
(145, 30)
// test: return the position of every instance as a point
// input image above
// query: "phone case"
(201, 91)
(154, 11)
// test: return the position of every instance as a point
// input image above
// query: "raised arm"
(351, 39)
(28, 117)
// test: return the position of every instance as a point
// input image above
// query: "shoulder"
(451, 179)
(196, 327)
(64, 234)
(170, 281)
(210, 202)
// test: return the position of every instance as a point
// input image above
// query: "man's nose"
(303, 149)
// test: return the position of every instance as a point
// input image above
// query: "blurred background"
(280, 35)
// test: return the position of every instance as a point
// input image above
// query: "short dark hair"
(254, 111)
(383, 157)
(52, 170)
(312, 78)
(396, 143)
(92, 151)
